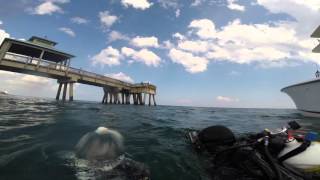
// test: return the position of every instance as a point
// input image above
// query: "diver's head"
(102, 144)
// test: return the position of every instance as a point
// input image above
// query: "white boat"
(305, 95)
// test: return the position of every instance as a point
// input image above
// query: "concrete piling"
(71, 91)
(64, 95)
(59, 91)
(154, 100)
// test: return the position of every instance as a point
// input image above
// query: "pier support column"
(140, 98)
(115, 100)
(128, 98)
(71, 91)
(149, 99)
(119, 98)
(144, 98)
(59, 91)
(154, 100)
(64, 95)
(103, 99)
(122, 97)
(110, 100)
(135, 99)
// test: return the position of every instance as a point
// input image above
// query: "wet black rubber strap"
(296, 151)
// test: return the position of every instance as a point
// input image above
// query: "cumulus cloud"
(121, 76)
(68, 31)
(137, 4)
(306, 13)
(1, 22)
(192, 63)
(21, 84)
(79, 20)
(145, 56)
(234, 6)
(115, 35)
(169, 3)
(226, 99)
(177, 13)
(274, 44)
(197, 2)
(48, 7)
(194, 46)
(145, 41)
(178, 36)
(108, 56)
(205, 28)
(106, 19)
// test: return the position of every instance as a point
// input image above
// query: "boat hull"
(306, 96)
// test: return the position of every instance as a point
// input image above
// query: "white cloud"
(270, 44)
(205, 28)
(28, 85)
(177, 13)
(167, 44)
(58, 1)
(226, 99)
(68, 31)
(1, 22)
(178, 36)
(169, 4)
(145, 41)
(193, 46)
(108, 56)
(121, 76)
(193, 64)
(79, 20)
(197, 2)
(144, 55)
(234, 6)
(137, 4)
(106, 19)
(306, 13)
(115, 35)
(47, 8)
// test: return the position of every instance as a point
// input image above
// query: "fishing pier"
(38, 57)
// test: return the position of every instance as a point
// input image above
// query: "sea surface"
(37, 135)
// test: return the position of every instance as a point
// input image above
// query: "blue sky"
(225, 53)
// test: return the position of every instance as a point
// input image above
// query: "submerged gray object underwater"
(102, 144)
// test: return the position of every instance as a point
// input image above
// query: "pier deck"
(66, 75)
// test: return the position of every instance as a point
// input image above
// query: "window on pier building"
(25, 50)
(36, 53)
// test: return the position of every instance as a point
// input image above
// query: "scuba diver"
(102, 153)
(266, 155)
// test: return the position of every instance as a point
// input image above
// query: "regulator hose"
(272, 163)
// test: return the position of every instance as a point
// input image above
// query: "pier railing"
(60, 67)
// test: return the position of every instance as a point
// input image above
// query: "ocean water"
(38, 135)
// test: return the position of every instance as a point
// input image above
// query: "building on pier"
(38, 56)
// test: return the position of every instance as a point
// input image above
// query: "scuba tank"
(308, 160)
(266, 155)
